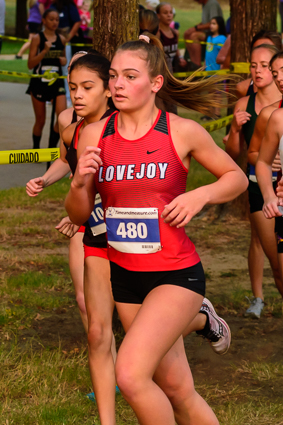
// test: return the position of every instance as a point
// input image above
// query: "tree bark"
(21, 18)
(115, 22)
(247, 18)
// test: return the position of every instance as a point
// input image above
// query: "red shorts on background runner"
(95, 252)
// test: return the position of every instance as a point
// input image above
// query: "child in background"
(169, 37)
(217, 36)
(34, 25)
(85, 16)
(175, 25)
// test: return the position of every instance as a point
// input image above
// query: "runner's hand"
(276, 165)
(88, 163)
(67, 228)
(183, 208)
(270, 208)
(225, 139)
(239, 119)
(35, 186)
(47, 45)
(279, 192)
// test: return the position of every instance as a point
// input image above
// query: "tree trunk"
(115, 22)
(247, 18)
(21, 18)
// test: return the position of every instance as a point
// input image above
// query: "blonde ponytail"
(201, 95)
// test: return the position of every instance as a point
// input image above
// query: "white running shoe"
(255, 308)
(218, 334)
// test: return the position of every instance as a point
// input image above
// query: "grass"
(44, 379)
(15, 66)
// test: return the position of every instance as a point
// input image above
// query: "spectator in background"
(43, 5)
(85, 16)
(210, 8)
(224, 56)
(175, 25)
(169, 37)
(70, 20)
(2, 20)
(152, 4)
(217, 37)
(33, 24)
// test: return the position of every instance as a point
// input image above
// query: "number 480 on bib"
(132, 230)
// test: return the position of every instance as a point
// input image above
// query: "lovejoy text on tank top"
(137, 179)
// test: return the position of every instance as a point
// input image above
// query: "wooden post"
(21, 18)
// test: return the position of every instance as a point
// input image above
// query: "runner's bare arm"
(233, 144)
(258, 135)
(80, 199)
(267, 153)
(34, 57)
(231, 181)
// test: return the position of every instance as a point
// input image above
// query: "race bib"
(50, 69)
(96, 220)
(133, 230)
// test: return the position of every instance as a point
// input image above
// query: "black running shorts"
(132, 287)
(279, 233)
(255, 199)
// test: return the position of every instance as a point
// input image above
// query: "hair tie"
(145, 38)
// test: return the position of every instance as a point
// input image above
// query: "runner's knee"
(99, 336)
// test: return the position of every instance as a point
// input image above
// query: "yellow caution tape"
(216, 125)
(79, 44)
(240, 67)
(52, 76)
(235, 68)
(29, 156)
(202, 73)
(200, 42)
(5, 37)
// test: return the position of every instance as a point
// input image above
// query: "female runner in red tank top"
(156, 273)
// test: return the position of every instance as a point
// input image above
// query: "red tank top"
(143, 174)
